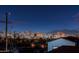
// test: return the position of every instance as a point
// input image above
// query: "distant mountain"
(66, 31)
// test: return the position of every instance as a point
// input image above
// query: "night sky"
(40, 18)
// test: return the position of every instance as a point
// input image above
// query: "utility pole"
(6, 22)
(6, 14)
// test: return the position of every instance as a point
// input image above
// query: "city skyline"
(41, 18)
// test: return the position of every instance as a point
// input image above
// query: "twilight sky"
(40, 18)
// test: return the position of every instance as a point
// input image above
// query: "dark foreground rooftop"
(66, 49)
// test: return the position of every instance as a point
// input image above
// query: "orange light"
(42, 46)
(33, 45)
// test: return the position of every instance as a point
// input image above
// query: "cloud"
(76, 18)
(76, 15)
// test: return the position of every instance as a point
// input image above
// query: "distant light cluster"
(37, 35)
